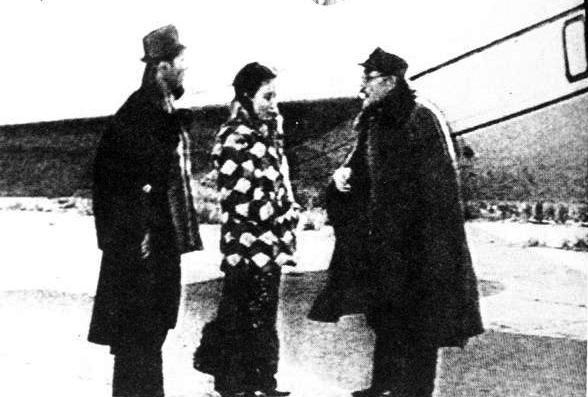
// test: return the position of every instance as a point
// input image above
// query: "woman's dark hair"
(249, 79)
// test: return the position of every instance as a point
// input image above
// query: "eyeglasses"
(370, 77)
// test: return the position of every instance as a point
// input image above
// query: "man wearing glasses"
(397, 212)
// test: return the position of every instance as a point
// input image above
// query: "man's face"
(265, 103)
(375, 86)
(173, 74)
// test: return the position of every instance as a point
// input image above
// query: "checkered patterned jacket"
(258, 216)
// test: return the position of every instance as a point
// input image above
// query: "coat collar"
(153, 97)
(263, 129)
(391, 112)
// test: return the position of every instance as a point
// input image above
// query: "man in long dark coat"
(401, 247)
(145, 219)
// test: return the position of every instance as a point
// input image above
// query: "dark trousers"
(247, 352)
(138, 369)
(407, 369)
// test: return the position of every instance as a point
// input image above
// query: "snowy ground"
(49, 267)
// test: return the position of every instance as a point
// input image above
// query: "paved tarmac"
(49, 267)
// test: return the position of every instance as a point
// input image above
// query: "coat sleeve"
(125, 163)
(350, 207)
(355, 157)
(235, 171)
(116, 197)
(128, 154)
(285, 170)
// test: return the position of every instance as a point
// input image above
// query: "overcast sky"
(79, 58)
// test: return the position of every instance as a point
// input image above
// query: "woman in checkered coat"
(259, 215)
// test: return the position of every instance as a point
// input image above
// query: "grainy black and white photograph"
(304, 198)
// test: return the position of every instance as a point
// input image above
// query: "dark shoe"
(372, 393)
(228, 393)
(276, 393)
(364, 393)
(256, 393)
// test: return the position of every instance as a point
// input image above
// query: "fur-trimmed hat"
(162, 44)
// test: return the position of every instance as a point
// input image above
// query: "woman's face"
(265, 103)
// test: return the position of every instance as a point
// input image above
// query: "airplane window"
(575, 49)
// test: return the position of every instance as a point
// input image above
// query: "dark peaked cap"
(385, 63)
(162, 44)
